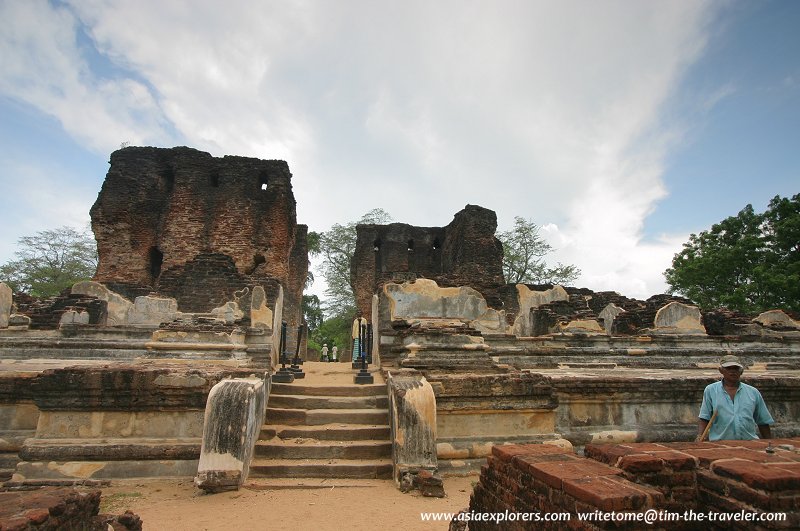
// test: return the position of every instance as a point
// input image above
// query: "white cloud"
(43, 66)
(550, 111)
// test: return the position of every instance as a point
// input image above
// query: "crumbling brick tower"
(187, 225)
(464, 253)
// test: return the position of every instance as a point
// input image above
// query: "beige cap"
(730, 361)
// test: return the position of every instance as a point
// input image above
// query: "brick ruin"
(464, 253)
(183, 224)
(494, 364)
(676, 482)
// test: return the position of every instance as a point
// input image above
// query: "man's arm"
(765, 432)
(701, 427)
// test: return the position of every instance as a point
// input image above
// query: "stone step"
(327, 432)
(330, 390)
(297, 449)
(321, 468)
(316, 417)
(328, 402)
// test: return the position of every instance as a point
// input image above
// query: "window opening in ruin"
(168, 179)
(376, 246)
(257, 261)
(435, 244)
(215, 180)
(156, 260)
(263, 181)
(410, 246)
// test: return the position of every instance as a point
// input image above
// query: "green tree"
(523, 257)
(50, 261)
(337, 247)
(312, 312)
(333, 331)
(749, 262)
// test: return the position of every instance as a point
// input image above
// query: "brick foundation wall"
(548, 479)
(721, 477)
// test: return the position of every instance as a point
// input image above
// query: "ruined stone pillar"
(233, 418)
(412, 413)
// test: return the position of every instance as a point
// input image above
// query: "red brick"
(758, 475)
(694, 445)
(706, 457)
(640, 463)
(507, 452)
(783, 502)
(669, 479)
(16, 523)
(712, 482)
(750, 496)
(645, 447)
(606, 453)
(526, 462)
(37, 516)
(683, 494)
(676, 460)
(755, 444)
(611, 494)
(794, 467)
(554, 473)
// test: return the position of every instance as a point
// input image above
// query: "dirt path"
(345, 504)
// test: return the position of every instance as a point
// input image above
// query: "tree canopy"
(50, 261)
(749, 262)
(337, 247)
(523, 257)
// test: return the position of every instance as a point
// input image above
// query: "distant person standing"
(734, 410)
(324, 355)
(356, 334)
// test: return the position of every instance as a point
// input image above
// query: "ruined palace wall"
(170, 219)
(464, 253)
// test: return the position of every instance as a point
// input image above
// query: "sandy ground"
(287, 504)
(320, 505)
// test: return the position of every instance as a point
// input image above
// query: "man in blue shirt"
(737, 409)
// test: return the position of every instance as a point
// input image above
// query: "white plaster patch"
(218, 461)
(529, 299)
(614, 436)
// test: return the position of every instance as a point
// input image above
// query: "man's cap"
(730, 361)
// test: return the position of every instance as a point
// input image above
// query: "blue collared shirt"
(736, 419)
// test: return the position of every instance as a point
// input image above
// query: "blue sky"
(619, 127)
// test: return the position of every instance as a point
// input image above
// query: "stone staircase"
(339, 431)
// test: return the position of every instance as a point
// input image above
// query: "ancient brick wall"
(541, 478)
(734, 477)
(760, 476)
(464, 253)
(184, 224)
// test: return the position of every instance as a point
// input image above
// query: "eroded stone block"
(425, 299)
(260, 314)
(679, 318)
(529, 299)
(152, 310)
(412, 413)
(228, 312)
(777, 319)
(118, 306)
(233, 418)
(19, 320)
(608, 314)
(5, 304)
(72, 317)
